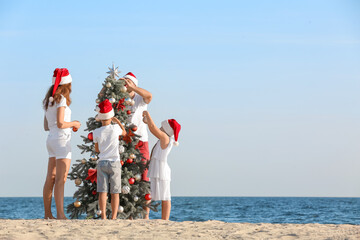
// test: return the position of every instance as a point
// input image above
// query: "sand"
(158, 229)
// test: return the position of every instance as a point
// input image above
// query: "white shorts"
(59, 146)
(160, 189)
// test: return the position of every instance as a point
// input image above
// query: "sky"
(267, 92)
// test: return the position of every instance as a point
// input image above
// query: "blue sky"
(267, 92)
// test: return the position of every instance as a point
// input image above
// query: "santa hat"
(172, 127)
(132, 77)
(105, 110)
(61, 76)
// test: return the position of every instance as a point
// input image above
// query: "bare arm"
(114, 119)
(97, 148)
(162, 136)
(46, 126)
(146, 95)
(60, 120)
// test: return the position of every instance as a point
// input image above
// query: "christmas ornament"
(137, 177)
(112, 100)
(129, 160)
(77, 203)
(97, 101)
(114, 72)
(127, 137)
(108, 84)
(121, 149)
(128, 101)
(132, 156)
(122, 162)
(128, 112)
(136, 198)
(134, 128)
(93, 157)
(75, 129)
(83, 161)
(125, 189)
(131, 181)
(148, 196)
(94, 192)
(120, 209)
(123, 89)
(90, 136)
(98, 212)
(78, 181)
(132, 102)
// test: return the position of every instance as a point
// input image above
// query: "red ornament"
(122, 162)
(132, 180)
(148, 196)
(90, 136)
(129, 160)
(94, 192)
(134, 128)
(128, 112)
(75, 129)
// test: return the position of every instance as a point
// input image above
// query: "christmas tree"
(135, 193)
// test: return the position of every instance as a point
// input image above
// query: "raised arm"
(162, 136)
(146, 95)
(115, 120)
(60, 120)
(46, 126)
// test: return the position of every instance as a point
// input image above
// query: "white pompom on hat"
(105, 110)
(172, 128)
(132, 77)
(61, 76)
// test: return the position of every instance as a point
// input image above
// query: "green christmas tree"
(135, 192)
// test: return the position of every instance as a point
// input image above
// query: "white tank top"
(51, 116)
(159, 167)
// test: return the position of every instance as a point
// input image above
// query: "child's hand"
(115, 120)
(77, 124)
(146, 115)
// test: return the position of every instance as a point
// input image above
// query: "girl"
(57, 121)
(159, 170)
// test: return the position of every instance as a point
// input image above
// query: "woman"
(58, 122)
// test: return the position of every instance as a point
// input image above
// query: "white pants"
(160, 189)
(59, 146)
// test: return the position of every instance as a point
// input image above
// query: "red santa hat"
(105, 110)
(132, 77)
(61, 76)
(172, 128)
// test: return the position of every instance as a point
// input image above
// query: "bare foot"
(62, 218)
(49, 217)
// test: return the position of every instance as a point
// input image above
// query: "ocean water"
(228, 209)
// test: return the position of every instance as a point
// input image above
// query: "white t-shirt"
(108, 139)
(51, 116)
(137, 118)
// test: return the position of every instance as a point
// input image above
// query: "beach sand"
(158, 229)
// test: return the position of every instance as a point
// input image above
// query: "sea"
(299, 210)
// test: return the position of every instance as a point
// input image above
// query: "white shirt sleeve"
(95, 137)
(118, 130)
(62, 102)
(139, 100)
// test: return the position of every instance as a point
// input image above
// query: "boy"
(159, 170)
(106, 139)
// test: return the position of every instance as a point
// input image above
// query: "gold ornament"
(77, 203)
(78, 181)
(108, 84)
(83, 161)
